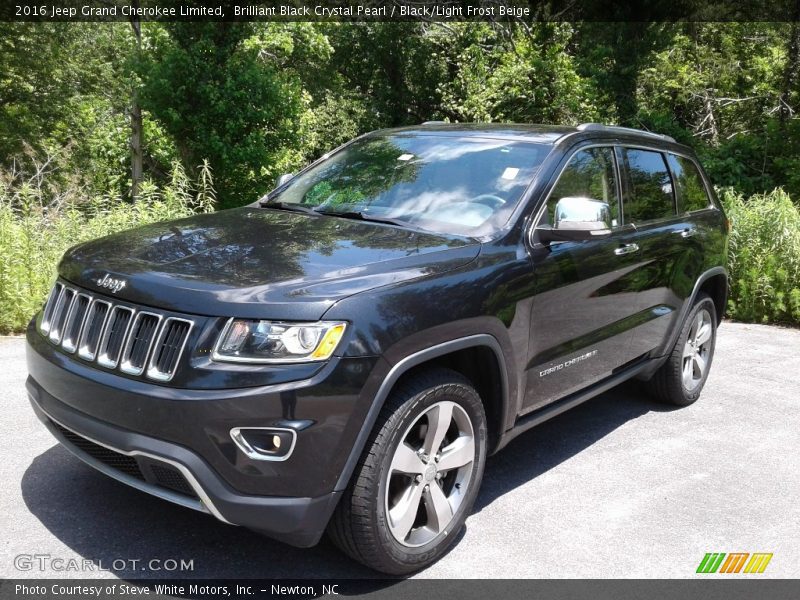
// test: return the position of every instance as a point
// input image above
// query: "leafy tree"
(219, 91)
(70, 84)
(512, 73)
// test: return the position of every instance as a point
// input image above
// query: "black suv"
(344, 354)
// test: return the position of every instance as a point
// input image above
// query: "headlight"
(251, 341)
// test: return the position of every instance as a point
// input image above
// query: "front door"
(585, 292)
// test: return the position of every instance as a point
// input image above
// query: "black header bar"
(399, 10)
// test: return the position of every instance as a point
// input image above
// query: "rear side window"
(650, 195)
(591, 174)
(692, 193)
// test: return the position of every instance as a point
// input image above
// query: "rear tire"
(418, 476)
(681, 378)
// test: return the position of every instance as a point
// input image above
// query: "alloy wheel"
(429, 474)
(696, 351)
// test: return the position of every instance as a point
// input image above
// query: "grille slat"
(114, 335)
(140, 340)
(74, 324)
(95, 320)
(50, 306)
(60, 313)
(169, 348)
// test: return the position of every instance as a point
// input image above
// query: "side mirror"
(283, 179)
(577, 219)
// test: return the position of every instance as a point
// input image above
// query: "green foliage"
(70, 85)
(40, 219)
(220, 91)
(764, 261)
(755, 163)
(517, 76)
(394, 68)
(721, 87)
(44, 77)
(254, 100)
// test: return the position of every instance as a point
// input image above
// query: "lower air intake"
(110, 458)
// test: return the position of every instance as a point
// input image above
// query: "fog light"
(265, 443)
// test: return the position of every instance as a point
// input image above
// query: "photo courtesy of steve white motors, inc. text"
(171, 589)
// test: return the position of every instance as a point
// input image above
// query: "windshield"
(465, 186)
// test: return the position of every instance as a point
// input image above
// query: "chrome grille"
(50, 306)
(60, 312)
(114, 335)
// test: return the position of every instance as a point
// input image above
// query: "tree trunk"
(710, 120)
(136, 148)
(137, 134)
(790, 72)
(632, 43)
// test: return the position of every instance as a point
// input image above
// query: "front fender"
(386, 374)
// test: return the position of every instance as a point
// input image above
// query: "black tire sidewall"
(703, 303)
(468, 399)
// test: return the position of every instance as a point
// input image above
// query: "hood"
(260, 263)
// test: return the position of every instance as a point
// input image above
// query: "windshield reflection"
(455, 185)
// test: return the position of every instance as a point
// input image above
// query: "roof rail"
(434, 122)
(618, 129)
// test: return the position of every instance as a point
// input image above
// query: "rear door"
(665, 261)
(583, 293)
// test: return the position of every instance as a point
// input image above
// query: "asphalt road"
(618, 487)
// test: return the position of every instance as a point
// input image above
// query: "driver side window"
(589, 174)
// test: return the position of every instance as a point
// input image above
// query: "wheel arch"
(716, 286)
(714, 282)
(465, 355)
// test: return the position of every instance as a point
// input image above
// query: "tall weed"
(764, 257)
(41, 216)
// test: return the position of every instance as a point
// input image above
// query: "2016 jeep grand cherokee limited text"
(344, 354)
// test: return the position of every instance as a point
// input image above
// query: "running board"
(545, 413)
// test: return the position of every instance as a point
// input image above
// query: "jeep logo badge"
(114, 285)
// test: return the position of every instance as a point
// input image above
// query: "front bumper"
(175, 443)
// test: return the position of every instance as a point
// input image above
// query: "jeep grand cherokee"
(343, 354)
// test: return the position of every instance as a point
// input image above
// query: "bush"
(764, 257)
(40, 217)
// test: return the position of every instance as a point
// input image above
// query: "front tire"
(681, 378)
(418, 476)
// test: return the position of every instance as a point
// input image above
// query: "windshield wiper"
(347, 214)
(287, 206)
(362, 216)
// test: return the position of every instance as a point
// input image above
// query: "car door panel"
(584, 293)
(583, 313)
(658, 305)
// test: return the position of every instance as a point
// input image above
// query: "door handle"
(688, 232)
(626, 249)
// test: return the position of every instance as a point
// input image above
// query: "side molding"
(401, 367)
